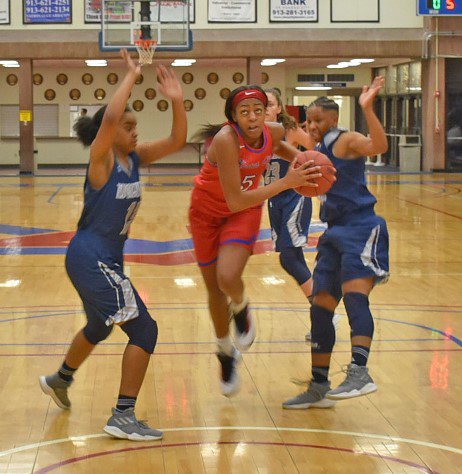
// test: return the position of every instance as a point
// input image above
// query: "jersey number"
(272, 172)
(247, 182)
(130, 216)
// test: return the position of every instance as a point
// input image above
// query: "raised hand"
(168, 83)
(129, 63)
(369, 93)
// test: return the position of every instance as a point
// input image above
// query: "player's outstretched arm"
(104, 139)
(353, 144)
(170, 87)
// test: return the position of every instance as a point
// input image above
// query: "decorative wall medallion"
(37, 79)
(138, 105)
(187, 78)
(238, 78)
(212, 78)
(139, 79)
(200, 93)
(112, 78)
(224, 93)
(100, 94)
(74, 94)
(12, 79)
(50, 94)
(150, 93)
(87, 78)
(264, 78)
(162, 105)
(188, 105)
(61, 79)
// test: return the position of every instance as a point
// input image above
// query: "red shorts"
(209, 232)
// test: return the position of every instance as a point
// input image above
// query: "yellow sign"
(25, 115)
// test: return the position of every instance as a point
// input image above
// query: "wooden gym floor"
(412, 424)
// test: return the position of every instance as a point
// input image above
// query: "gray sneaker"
(56, 387)
(314, 397)
(124, 425)
(358, 382)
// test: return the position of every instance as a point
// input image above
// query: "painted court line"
(391, 439)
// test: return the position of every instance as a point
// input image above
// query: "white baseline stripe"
(244, 428)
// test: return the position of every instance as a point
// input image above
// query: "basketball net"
(145, 50)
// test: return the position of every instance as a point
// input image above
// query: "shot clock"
(439, 7)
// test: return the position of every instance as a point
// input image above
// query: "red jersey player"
(225, 213)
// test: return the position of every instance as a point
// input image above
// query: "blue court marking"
(454, 339)
(32, 250)
(427, 328)
(54, 194)
(198, 343)
(19, 230)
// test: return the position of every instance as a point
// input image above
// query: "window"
(45, 120)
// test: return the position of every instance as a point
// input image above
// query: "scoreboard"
(439, 7)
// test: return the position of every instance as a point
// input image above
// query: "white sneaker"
(229, 381)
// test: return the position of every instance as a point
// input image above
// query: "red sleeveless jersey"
(207, 195)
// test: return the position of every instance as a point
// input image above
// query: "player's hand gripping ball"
(327, 170)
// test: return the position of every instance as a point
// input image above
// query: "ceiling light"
(96, 62)
(364, 60)
(354, 62)
(313, 88)
(183, 62)
(334, 66)
(344, 64)
(9, 63)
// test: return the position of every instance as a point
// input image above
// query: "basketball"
(327, 170)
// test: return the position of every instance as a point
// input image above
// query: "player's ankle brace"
(322, 330)
(359, 314)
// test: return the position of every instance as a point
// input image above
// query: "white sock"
(237, 308)
(225, 345)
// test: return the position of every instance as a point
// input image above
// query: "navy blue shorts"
(106, 292)
(290, 216)
(348, 252)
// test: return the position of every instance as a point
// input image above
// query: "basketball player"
(225, 213)
(352, 252)
(94, 260)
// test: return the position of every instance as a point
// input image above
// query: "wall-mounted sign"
(232, 11)
(4, 12)
(47, 11)
(287, 11)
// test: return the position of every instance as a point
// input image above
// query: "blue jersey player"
(289, 212)
(94, 259)
(352, 252)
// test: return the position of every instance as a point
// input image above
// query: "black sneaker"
(229, 381)
(245, 328)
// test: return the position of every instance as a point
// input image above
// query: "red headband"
(249, 94)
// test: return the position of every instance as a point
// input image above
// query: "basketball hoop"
(145, 50)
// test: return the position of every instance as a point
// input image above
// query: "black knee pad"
(293, 262)
(359, 314)
(96, 331)
(322, 330)
(142, 332)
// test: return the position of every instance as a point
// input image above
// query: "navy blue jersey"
(109, 211)
(348, 200)
(277, 168)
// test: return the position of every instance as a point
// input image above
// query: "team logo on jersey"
(128, 190)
